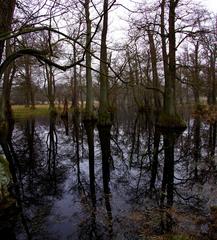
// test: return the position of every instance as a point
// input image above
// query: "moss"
(5, 178)
(171, 121)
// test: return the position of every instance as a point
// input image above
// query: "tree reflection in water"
(114, 183)
(105, 138)
(52, 151)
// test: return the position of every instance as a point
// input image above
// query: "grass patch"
(22, 112)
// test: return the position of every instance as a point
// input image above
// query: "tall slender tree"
(104, 115)
(89, 85)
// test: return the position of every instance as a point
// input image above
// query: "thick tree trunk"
(169, 116)
(170, 98)
(6, 16)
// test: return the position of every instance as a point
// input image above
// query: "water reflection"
(13, 204)
(105, 140)
(197, 145)
(168, 169)
(212, 138)
(154, 164)
(76, 136)
(89, 127)
(109, 183)
(52, 142)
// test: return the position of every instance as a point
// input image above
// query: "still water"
(130, 181)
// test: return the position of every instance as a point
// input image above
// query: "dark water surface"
(129, 182)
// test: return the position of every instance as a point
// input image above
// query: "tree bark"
(104, 115)
(6, 17)
(75, 83)
(170, 98)
(50, 87)
(28, 83)
(156, 84)
(169, 116)
(89, 87)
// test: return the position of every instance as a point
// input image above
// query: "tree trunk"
(195, 76)
(6, 17)
(156, 85)
(28, 83)
(213, 78)
(89, 87)
(75, 83)
(7, 84)
(170, 98)
(169, 117)
(50, 87)
(104, 115)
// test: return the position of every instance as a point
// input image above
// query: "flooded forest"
(108, 120)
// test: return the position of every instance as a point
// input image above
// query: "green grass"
(21, 112)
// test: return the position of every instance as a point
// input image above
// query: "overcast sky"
(211, 4)
(119, 26)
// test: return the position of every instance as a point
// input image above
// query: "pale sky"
(119, 25)
(210, 4)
